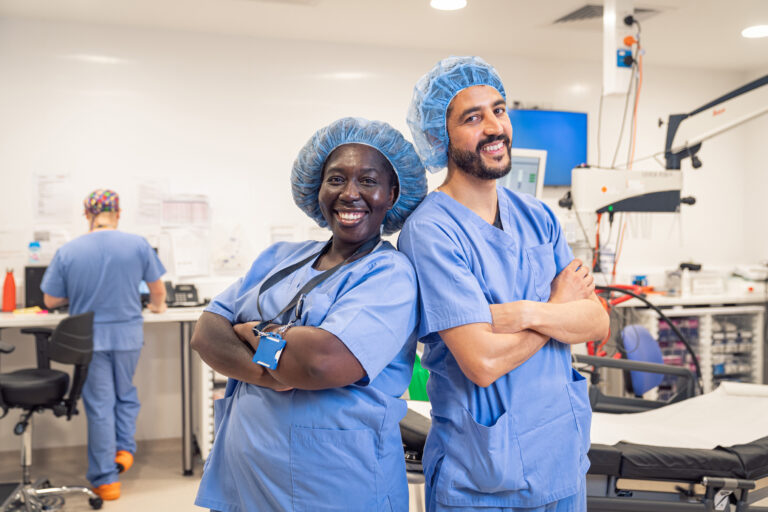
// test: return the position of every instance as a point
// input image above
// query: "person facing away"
(502, 299)
(101, 272)
(314, 426)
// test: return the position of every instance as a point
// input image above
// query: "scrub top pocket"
(333, 470)
(552, 448)
(541, 258)
(485, 468)
(219, 408)
(582, 411)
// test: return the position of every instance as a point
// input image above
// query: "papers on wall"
(186, 211)
(53, 198)
(230, 252)
(185, 251)
(150, 211)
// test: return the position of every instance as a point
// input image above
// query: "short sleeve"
(377, 314)
(54, 281)
(224, 303)
(153, 267)
(450, 294)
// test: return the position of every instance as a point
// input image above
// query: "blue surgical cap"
(431, 97)
(307, 173)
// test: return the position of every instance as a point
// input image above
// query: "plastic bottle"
(9, 291)
(34, 253)
(685, 283)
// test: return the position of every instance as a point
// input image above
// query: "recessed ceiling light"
(95, 59)
(448, 5)
(345, 75)
(756, 31)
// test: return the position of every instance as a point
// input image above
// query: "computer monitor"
(33, 295)
(563, 135)
(527, 174)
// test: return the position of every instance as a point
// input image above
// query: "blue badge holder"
(270, 348)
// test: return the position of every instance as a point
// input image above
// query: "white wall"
(225, 116)
(756, 185)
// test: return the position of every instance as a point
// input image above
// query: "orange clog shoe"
(124, 460)
(108, 492)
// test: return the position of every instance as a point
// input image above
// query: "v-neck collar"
(468, 214)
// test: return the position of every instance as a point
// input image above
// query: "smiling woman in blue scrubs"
(320, 431)
(501, 299)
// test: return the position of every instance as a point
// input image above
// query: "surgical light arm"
(686, 132)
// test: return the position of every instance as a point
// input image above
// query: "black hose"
(665, 318)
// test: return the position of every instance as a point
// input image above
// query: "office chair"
(36, 389)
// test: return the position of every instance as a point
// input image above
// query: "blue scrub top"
(522, 441)
(334, 449)
(101, 272)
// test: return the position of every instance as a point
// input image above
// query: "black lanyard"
(298, 299)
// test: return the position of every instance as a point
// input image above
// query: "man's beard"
(472, 163)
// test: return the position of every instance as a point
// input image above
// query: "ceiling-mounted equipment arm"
(728, 111)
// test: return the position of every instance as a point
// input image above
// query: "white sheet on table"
(735, 413)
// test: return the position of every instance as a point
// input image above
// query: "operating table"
(706, 453)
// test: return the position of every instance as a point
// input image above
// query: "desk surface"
(44, 320)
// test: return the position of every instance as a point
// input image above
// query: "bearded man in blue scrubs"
(502, 298)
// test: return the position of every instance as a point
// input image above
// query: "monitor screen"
(527, 173)
(33, 295)
(562, 134)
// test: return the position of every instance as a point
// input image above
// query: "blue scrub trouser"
(111, 405)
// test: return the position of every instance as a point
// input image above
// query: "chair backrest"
(639, 345)
(72, 343)
(72, 340)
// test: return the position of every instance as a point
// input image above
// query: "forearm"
(508, 351)
(218, 345)
(157, 296)
(315, 359)
(157, 300)
(52, 302)
(578, 321)
(490, 355)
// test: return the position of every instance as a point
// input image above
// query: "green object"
(417, 389)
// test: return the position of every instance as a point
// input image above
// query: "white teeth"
(494, 147)
(350, 216)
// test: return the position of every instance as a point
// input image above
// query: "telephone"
(181, 295)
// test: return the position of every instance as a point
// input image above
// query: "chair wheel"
(19, 429)
(95, 503)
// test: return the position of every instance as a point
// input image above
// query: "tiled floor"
(154, 483)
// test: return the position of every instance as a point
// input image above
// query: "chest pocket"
(541, 259)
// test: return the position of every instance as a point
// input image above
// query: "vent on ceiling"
(591, 12)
